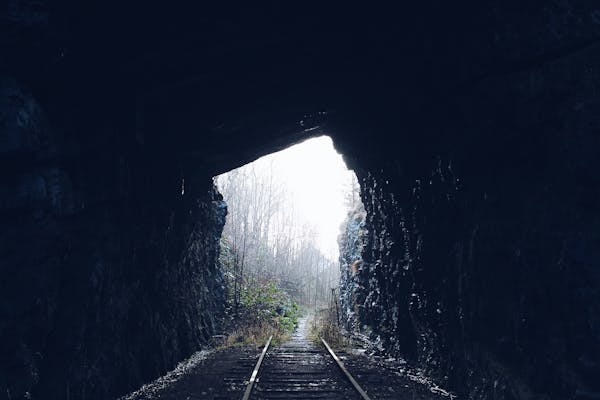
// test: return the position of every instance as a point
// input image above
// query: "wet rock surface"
(479, 258)
(489, 285)
(97, 294)
(352, 289)
(114, 302)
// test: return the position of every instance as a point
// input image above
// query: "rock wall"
(480, 246)
(99, 292)
(489, 296)
(352, 290)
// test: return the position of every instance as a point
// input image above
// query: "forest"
(273, 255)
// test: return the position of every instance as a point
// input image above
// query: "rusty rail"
(256, 368)
(340, 364)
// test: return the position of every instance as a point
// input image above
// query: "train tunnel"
(473, 130)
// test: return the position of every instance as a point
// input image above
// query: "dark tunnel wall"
(480, 243)
(472, 128)
(109, 273)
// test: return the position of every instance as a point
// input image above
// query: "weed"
(324, 325)
(264, 310)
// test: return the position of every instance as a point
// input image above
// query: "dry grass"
(324, 325)
(254, 335)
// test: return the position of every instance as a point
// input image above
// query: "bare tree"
(269, 240)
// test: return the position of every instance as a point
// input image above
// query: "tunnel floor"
(296, 369)
(299, 369)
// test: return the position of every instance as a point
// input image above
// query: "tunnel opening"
(280, 246)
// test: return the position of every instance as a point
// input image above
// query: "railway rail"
(298, 369)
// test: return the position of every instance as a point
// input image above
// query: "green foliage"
(264, 309)
(266, 304)
(256, 308)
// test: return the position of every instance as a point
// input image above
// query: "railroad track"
(299, 369)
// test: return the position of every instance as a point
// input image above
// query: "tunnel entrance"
(279, 247)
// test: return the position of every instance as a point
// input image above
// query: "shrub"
(264, 309)
(325, 325)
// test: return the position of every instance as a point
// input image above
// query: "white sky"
(318, 179)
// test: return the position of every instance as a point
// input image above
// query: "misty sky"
(318, 180)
